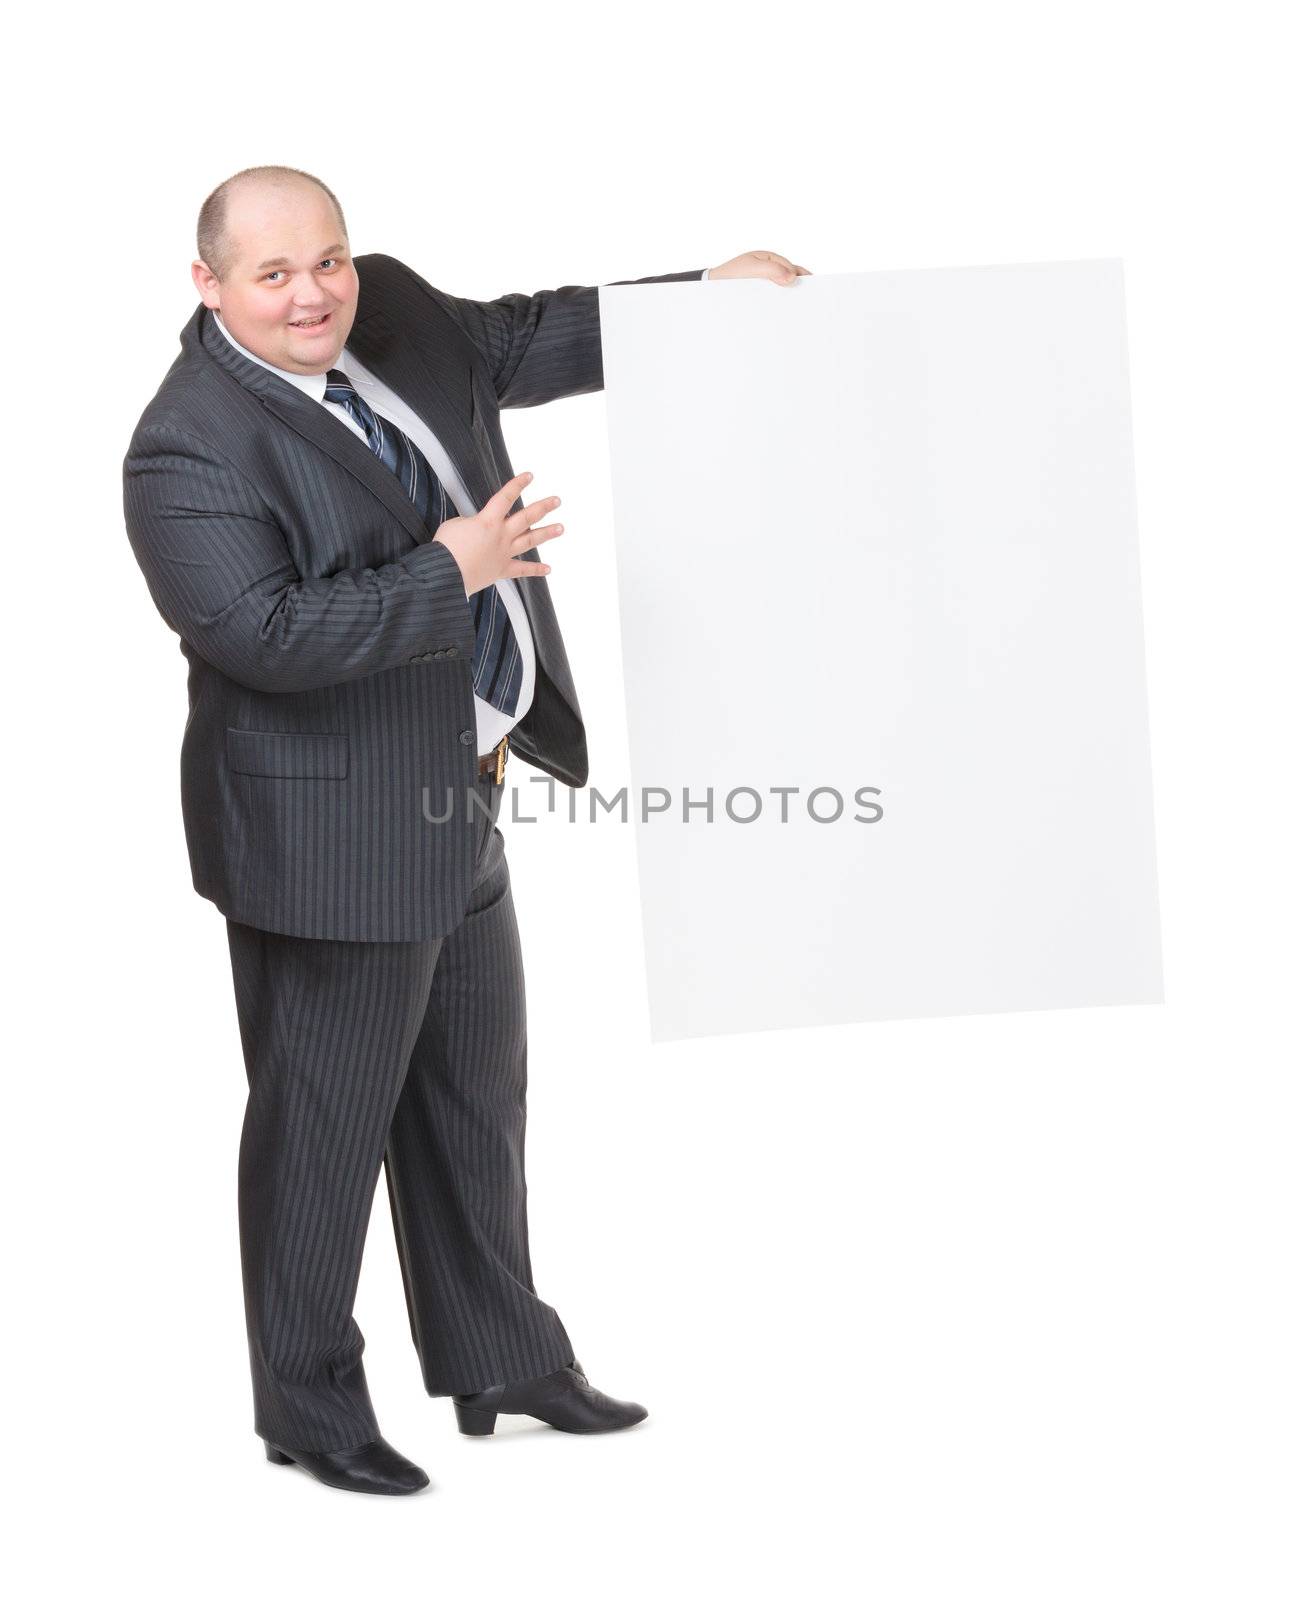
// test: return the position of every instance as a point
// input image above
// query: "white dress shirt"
(492, 722)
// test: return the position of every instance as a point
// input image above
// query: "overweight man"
(324, 509)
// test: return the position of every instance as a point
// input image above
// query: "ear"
(207, 283)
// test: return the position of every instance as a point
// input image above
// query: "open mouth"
(311, 324)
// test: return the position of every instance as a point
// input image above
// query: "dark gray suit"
(375, 954)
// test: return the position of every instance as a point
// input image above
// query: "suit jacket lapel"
(439, 393)
(379, 346)
(431, 391)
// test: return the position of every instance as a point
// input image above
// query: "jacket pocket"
(286, 755)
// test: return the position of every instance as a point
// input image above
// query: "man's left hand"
(759, 264)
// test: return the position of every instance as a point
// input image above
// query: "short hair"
(215, 246)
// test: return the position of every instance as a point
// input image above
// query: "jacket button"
(451, 650)
(418, 658)
(438, 654)
(467, 737)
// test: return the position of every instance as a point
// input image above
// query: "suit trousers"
(411, 1056)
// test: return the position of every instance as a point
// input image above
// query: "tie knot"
(334, 379)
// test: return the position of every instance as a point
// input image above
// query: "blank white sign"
(876, 538)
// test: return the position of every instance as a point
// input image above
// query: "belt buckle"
(500, 759)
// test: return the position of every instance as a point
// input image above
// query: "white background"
(994, 1306)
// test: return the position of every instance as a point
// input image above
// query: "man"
(321, 501)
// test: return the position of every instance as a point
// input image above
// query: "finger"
(776, 267)
(535, 536)
(504, 497)
(779, 269)
(519, 521)
(525, 569)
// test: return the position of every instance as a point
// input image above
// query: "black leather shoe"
(564, 1399)
(374, 1468)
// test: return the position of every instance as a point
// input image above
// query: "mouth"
(312, 324)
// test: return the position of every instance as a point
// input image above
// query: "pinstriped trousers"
(411, 1056)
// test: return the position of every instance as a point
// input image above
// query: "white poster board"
(877, 532)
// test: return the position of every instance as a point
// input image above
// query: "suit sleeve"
(221, 574)
(544, 346)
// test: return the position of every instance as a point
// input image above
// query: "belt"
(493, 763)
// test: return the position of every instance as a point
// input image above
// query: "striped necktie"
(497, 660)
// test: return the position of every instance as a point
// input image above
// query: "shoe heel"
(475, 1423)
(277, 1456)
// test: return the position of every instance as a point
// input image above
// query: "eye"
(270, 275)
(328, 259)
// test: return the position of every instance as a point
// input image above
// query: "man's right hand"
(490, 545)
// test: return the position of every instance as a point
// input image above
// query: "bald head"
(274, 260)
(254, 188)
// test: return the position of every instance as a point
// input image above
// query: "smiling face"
(289, 289)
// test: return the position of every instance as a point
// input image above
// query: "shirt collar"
(312, 384)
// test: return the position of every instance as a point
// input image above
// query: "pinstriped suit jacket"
(310, 601)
